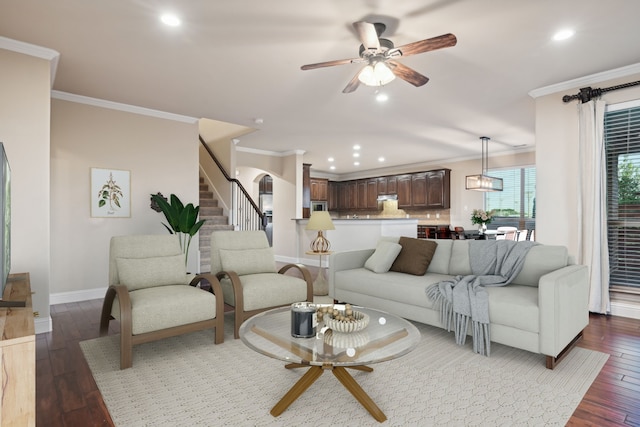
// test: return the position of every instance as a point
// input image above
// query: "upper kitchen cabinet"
(438, 184)
(429, 190)
(334, 196)
(319, 189)
(403, 190)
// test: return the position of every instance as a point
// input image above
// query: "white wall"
(24, 129)
(160, 153)
(557, 160)
(287, 185)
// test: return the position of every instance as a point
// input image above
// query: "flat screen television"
(5, 227)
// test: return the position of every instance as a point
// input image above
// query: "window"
(622, 148)
(515, 206)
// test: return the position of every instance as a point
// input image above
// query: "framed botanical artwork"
(110, 193)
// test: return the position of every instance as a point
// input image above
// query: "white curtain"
(592, 204)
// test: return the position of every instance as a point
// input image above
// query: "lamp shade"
(483, 182)
(376, 75)
(320, 220)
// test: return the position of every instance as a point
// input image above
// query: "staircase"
(214, 221)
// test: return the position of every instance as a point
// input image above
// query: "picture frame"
(110, 193)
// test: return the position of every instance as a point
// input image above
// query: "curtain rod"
(587, 93)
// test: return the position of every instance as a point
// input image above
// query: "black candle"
(303, 320)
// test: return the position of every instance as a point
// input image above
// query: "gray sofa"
(543, 310)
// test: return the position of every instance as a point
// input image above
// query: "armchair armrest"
(124, 301)
(306, 275)
(347, 260)
(563, 301)
(215, 289)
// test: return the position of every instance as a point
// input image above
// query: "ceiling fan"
(379, 55)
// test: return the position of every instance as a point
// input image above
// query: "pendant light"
(483, 182)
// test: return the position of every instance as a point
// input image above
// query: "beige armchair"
(150, 296)
(245, 264)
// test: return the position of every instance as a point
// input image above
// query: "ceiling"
(239, 62)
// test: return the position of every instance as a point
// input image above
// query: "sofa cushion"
(440, 261)
(460, 263)
(266, 290)
(248, 261)
(139, 273)
(391, 286)
(415, 256)
(383, 257)
(163, 307)
(541, 260)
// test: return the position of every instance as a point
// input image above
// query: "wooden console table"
(18, 355)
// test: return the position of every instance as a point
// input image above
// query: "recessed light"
(356, 154)
(381, 159)
(356, 163)
(331, 159)
(563, 34)
(356, 147)
(382, 97)
(170, 19)
(332, 167)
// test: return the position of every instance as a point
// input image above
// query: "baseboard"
(625, 309)
(42, 325)
(75, 296)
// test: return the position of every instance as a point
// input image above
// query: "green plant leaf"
(101, 203)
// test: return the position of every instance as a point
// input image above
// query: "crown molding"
(586, 80)
(33, 50)
(80, 99)
(270, 153)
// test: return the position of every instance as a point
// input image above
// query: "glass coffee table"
(386, 337)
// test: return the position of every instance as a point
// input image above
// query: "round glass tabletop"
(386, 337)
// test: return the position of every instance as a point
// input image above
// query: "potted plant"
(182, 219)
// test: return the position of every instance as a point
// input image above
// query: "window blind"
(515, 205)
(622, 147)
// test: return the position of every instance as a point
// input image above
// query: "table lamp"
(320, 220)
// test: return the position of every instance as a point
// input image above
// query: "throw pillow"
(380, 261)
(139, 273)
(415, 256)
(248, 261)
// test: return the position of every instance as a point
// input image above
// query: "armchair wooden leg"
(126, 351)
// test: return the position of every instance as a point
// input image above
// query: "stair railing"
(245, 213)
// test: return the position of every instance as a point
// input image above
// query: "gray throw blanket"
(493, 263)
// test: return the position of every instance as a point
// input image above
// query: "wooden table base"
(313, 373)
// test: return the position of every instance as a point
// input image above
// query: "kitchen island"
(353, 233)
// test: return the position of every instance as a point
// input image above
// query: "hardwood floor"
(66, 394)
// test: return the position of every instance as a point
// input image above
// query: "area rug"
(189, 381)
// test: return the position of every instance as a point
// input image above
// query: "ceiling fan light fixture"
(484, 182)
(378, 74)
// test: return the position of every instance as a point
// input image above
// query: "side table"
(320, 285)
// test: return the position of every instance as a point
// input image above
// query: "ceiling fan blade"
(353, 84)
(440, 42)
(408, 74)
(368, 35)
(330, 63)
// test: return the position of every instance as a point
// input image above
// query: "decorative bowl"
(345, 326)
(349, 340)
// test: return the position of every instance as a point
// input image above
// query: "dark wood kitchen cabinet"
(438, 189)
(419, 190)
(404, 190)
(319, 189)
(372, 193)
(334, 195)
